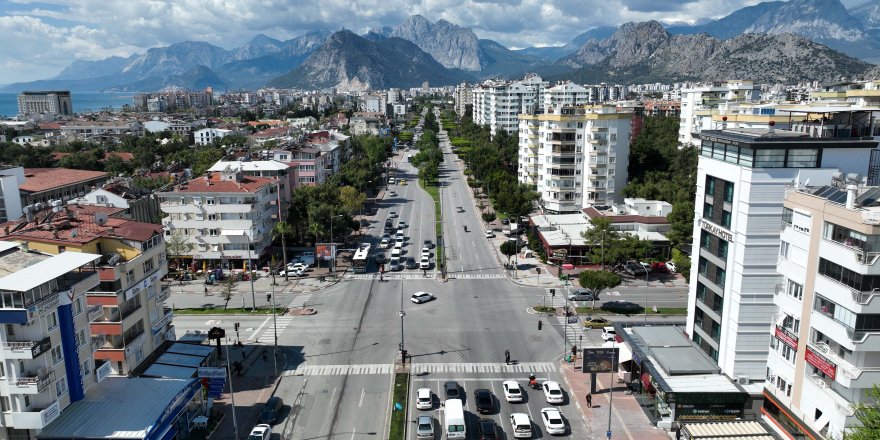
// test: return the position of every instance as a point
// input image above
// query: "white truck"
(511, 230)
(454, 419)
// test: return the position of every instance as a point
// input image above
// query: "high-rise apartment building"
(575, 156)
(565, 94)
(47, 357)
(825, 338)
(463, 98)
(499, 103)
(742, 175)
(48, 102)
(699, 102)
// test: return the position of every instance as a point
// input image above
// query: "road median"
(399, 401)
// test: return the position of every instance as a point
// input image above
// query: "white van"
(454, 422)
(521, 425)
(395, 253)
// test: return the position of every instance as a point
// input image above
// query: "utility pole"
(231, 392)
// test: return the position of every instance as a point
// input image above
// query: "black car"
(505, 221)
(380, 258)
(411, 263)
(271, 410)
(452, 390)
(487, 430)
(428, 244)
(485, 402)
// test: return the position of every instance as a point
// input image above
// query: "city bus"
(361, 258)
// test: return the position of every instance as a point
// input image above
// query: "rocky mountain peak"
(451, 45)
(817, 20)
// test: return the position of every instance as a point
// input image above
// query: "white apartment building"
(95, 130)
(825, 339)
(565, 94)
(47, 355)
(272, 169)
(742, 177)
(226, 215)
(698, 103)
(499, 103)
(207, 136)
(463, 97)
(576, 157)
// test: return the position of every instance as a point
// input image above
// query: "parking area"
(532, 403)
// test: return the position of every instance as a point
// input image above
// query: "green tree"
(227, 291)
(597, 281)
(681, 221)
(601, 237)
(283, 229)
(508, 248)
(115, 166)
(178, 246)
(868, 414)
(351, 199)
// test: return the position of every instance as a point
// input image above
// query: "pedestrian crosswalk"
(572, 329)
(301, 300)
(428, 367)
(419, 276)
(471, 276)
(268, 336)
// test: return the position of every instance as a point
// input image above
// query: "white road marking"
(363, 393)
(254, 334)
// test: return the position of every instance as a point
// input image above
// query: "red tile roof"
(77, 225)
(215, 184)
(44, 179)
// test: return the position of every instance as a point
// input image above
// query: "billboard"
(600, 360)
(325, 251)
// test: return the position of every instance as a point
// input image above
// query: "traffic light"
(553, 292)
(403, 355)
(538, 269)
(268, 297)
(236, 326)
(574, 350)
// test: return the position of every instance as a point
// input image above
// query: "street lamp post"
(275, 325)
(251, 273)
(401, 314)
(332, 248)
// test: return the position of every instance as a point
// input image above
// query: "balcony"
(848, 374)
(26, 349)
(855, 258)
(32, 383)
(827, 386)
(37, 419)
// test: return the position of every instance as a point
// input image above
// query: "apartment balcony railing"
(26, 349)
(33, 383)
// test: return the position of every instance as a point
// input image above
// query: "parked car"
(505, 221)
(553, 422)
(624, 307)
(424, 399)
(420, 297)
(512, 391)
(635, 269)
(553, 392)
(581, 295)
(271, 410)
(392, 193)
(261, 432)
(671, 266)
(451, 389)
(425, 263)
(596, 322)
(484, 400)
(490, 234)
(383, 244)
(428, 245)
(659, 267)
(425, 427)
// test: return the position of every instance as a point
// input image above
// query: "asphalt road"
(340, 362)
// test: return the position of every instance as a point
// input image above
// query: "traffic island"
(400, 394)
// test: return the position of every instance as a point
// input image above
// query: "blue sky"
(40, 38)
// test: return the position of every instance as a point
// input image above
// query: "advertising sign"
(821, 362)
(325, 251)
(599, 360)
(716, 230)
(787, 337)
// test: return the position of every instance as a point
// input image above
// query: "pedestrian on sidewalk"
(589, 400)
(206, 290)
(507, 357)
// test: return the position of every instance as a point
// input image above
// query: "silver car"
(425, 427)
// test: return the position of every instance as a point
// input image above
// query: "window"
(707, 210)
(728, 192)
(710, 185)
(214, 232)
(705, 240)
(770, 158)
(795, 290)
(85, 369)
(722, 248)
(56, 354)
(51, 321)
(726, 219)
(148, 266)
(803, 157)
(129, 277)
(209, 200)
(77, 306)
(60, 387)
(4, 404)
(784, 248)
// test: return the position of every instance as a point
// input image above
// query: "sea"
(82, 102)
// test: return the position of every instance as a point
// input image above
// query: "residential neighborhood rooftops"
(214, 183)
(79, 224)
(252, 165)
(44, 179)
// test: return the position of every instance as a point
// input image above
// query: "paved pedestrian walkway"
(628, 419)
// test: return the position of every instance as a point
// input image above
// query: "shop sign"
(560, 253)
(51, 413)
(821, 362)
(41, 347)
(599, 360)
(716, 230)
(787, 337)
(709, 409)
(146, 282)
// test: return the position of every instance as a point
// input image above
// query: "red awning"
(567, 266)
(646, 382)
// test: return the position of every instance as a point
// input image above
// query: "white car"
(426, 253)
(424, 400)
(392, 214)
(424, 263)
(297, 266)
(300, 272)
(671, 266)
(608, 333)
(490, 234)
(553, 422)
(260, 432)
(512, 391)
(384, 243)
(553, 392)
(420, 297)
(401, 225)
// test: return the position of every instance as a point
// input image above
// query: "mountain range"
(779, 41)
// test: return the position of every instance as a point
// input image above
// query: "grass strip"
(668, 311)
(434, 191)
(398, 417)
(229, 311)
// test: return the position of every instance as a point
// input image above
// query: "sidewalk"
(252, 389)
(628, 419)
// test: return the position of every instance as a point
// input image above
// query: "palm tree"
(283, 229)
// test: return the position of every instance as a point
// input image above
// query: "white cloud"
(40, 38)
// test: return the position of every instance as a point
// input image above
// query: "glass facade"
(763, 157)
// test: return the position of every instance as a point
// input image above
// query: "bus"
(361, 258)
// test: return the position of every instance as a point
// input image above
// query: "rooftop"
(121, 407)
(75, 224)
(772, 138)
(47, 269)
(45, 179)
(214, 183)
(252, 165)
